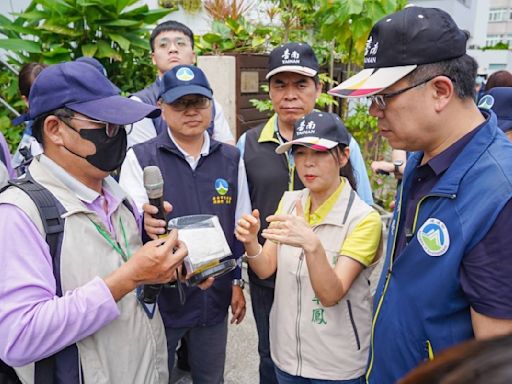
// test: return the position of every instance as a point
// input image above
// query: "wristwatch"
(239, 282)
(398, 164)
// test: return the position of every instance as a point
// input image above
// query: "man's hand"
(153, 263)
(382, 167)
(237, 305)
(152, 226)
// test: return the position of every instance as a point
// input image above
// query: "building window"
(498, 14)
(497, 67)
(492, 40)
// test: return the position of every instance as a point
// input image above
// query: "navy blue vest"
(149, 95)
(193, 192)
(420, 308)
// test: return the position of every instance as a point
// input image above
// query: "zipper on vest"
(429, 349)
(354, 328)
(384, 290)
(388, 274)
(414, 223)
(299, 309)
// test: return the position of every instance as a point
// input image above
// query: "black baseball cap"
(400, 42)
(293, 57)
(320, 131)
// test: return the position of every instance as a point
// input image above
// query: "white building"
(488, 22)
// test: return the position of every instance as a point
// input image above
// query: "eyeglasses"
(196, 103)
(111, 129)
(380, 100)
(179, 42)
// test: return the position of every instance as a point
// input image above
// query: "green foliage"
(112, 31)
(9, 92)
(262, 105)
(190, 6)
(499, 46)
(233, 35)
(323, 102)
(348, 23)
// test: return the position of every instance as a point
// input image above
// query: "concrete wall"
(221, 73)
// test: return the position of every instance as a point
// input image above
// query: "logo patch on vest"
(222, 188)
(184, 74)
(486, 102)
(434, 237)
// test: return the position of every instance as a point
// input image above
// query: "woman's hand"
(248, 227)
(291, 230)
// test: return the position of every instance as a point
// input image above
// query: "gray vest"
(130, 349)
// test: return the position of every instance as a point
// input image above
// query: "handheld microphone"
(154, 185)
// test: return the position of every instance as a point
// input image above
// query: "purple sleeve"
(34, 322)
(486, 271)
(5, 149)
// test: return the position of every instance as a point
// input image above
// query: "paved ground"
(242, 354)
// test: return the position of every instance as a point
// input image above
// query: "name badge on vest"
(434, 237)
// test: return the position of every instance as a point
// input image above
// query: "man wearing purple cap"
(446, 277)
(74, 317)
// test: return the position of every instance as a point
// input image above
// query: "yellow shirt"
(363, 242)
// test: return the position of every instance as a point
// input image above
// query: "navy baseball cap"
(94, 62)
(184, 80)
(499, 100)
(400, 42)
(320, 131)
(293, 57)
(83, 89)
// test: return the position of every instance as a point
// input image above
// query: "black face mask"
(110, 151)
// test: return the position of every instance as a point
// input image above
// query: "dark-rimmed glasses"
(380, 99)
(196, 103)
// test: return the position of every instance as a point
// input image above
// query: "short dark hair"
(38, 123)
(27, 75)
(461, 70)
(170, 25)
(499, 79)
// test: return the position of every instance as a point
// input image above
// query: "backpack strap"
(51, 211)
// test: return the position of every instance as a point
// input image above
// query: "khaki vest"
(130, 349)
(306, 338)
